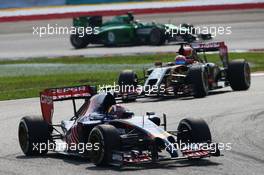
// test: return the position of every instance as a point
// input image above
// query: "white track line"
(120, 6)
(258, 74)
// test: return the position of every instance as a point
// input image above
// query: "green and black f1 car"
(124, 30)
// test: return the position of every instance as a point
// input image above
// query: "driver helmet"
(158, 64)
(117, 112)
(180, 60)
(187, 51)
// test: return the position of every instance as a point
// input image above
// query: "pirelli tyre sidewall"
(79, 42)
(156, 37)
(193, 130)
(239, 75)
(198, 78)
(32, 132)
(128, 77)
(107, 139)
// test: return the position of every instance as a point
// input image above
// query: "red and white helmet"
(187, 51)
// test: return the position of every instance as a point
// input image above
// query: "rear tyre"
(156, 37)
(192, 130)
(239, 75)
(107, 138)
(33, 136)
(199, 81)
(79, 42)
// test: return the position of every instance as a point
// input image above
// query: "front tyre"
(239, 75)
(193, 130)
(199, 80)
(106, 138)
(128, 78)
(33, 136)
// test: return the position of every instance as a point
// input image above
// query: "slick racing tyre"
(33, 136)
(128, 77)
(156, 37)
(192, 130)
(239, 75)
(107, 139)
(199, 80)
(79, 42)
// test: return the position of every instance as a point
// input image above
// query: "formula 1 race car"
(190, 74)
(124, 30)
(109, 134)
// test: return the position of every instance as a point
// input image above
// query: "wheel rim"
(97, 155)
(23, 137)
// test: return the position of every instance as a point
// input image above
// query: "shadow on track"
(75, 160)
(162, 165)
(167, 98)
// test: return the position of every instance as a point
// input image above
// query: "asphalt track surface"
(234, 117)
(17, 40)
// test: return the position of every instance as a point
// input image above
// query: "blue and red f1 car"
(109, 134)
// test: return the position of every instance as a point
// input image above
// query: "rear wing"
(207, 47)
(211, 47)
(48, 96)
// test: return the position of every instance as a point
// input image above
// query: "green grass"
(138, 59)
(30, 86)
(15, 83)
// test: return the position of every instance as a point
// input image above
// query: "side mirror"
(164, 122)
(150, 113)
(128, 114)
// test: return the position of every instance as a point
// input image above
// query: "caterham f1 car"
(190, 74)
(109, 133)
(124, 30)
